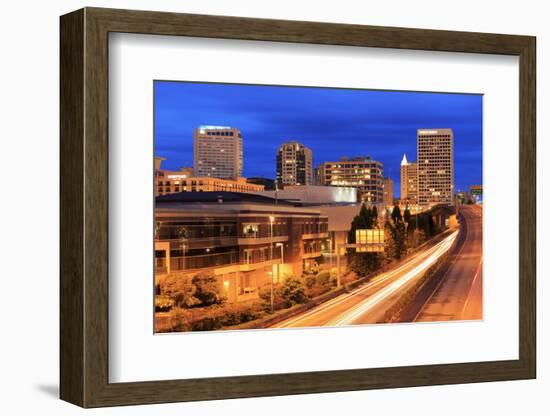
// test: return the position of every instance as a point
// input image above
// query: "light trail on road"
(364, 307)
(325, 313)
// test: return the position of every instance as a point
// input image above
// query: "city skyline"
(359, 121)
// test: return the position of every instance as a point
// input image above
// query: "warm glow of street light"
(271, 218)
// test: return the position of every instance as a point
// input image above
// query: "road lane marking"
(471, 287)
(444, 276)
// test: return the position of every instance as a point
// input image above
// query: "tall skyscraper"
(218, 152)
(294, 165)
(387, 198)
(362, 173)
(435, 167)
(409, 182)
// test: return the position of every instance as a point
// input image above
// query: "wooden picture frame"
(84, 207)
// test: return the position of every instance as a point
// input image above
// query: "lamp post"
(330, 252)
(271, 220)
(280, 264)
(338, 276)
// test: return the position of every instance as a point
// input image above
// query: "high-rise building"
(319, 175)
(409, 182)
(387, 198)
(218, 152)
(294, 165)
(435, 167)
(362, 173)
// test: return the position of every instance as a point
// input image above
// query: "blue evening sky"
(332, 122)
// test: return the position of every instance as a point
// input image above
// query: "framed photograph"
(254, 207)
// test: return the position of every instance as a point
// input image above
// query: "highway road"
(459, 295)
(369, 303)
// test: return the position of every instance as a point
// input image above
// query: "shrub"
(310, 280)
(265, 295)
(315, 291)
(293, 292)
(220, 317)
(180, 321)
(240, 314)
(207, 290)
(185, 301)
(206, 324)
(163, 303)
(180, 288)
(323, 278)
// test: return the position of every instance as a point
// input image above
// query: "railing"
(265, 230)
(203, 261)
(213, 260)
(201, 242)
(313, 248)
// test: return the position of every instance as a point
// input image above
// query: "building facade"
(362, 173)
(171, 182)
(314, 195)
(218, 152)
(294, 165)
(244, 240)
(409, 182)
(435, 167)
(387, 198)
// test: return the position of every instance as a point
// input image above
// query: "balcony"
(312, 254)
(201, 242)
(311, 236)
(261, 240)
(221, 262)
(312, 250)
(205, 261)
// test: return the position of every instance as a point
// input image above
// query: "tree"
(400, 239)
(207, 289)
(364, 263)
(407, 216)
(364, 213)
(374, 215)
(396, 214)
(359, 222)
(396, 243)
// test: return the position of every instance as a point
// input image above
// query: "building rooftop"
(208, 127)
(314, 194)
(219, 198)
(226, 203)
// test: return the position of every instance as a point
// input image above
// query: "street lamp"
(280, 264)
(330, 252)
(271, 220)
